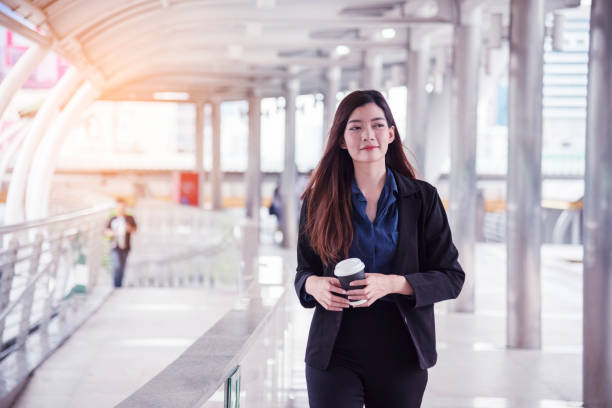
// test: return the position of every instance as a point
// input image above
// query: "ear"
(391, 134)
(342, 144)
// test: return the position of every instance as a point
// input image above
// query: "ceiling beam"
(70, 48)
(18, 27)
(144, 70)
(252, 65)
(184, 13)
(106, 47)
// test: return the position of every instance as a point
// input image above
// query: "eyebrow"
(358, 120)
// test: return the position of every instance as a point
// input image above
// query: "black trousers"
(374, 363)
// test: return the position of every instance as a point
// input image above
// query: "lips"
(369, 147)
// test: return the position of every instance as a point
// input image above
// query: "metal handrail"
(207, 250)
(22, 295)
(200, 390)
(37, 316)
(8, 229)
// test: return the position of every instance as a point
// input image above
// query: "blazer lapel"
(406, 258)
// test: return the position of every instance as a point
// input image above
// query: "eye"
(380, 125)
(353, 128)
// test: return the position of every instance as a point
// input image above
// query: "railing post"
(249, 244)
(93, 260)
(6, 280)
(65, 254)
(26, 310)
(232, 390)
(48, 309)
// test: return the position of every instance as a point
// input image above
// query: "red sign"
(185, 187)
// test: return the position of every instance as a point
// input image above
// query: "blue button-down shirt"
(375, 242)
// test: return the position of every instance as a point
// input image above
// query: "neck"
(370, 177)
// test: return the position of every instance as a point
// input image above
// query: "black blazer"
(425, 255)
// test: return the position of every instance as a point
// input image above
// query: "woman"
(363, 201)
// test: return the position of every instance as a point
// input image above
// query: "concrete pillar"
(597, 288)
(199, 150)
(253, 175)
(417, 67)
(371, 73)
(14, 211)
(288, 177)
(463, 192)
(524, 224)
(216, 176)
(333, 86)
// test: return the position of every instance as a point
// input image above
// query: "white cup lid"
(348, 267)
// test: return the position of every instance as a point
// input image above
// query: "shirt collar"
(390, 184)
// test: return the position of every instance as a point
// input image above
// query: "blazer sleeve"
(441, 277)
(308, 262)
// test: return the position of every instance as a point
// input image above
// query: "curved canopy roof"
(132, 48)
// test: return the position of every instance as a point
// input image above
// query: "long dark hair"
(328, 194)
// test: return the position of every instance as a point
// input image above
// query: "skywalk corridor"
(183, 133)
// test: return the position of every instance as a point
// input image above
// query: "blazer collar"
(405, 185)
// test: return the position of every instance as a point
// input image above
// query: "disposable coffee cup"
(347, 271)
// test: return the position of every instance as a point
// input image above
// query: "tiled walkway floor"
(139, 331)
(133, 336)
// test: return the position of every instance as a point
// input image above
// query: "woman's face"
(367, 135)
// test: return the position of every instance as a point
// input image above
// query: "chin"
(369, 159)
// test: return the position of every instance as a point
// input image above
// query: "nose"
(368, 133)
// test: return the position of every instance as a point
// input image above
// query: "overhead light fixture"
(234, 51)
(388, 33)
(428, 9)
(342, 50)
(171, 96)
(266, 4)
(254, 29)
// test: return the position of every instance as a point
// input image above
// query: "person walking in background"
(363, 201)
(119, 229)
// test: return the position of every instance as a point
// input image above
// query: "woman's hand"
(322, 288)
(377, 285)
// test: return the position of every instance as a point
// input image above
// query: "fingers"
(333, 285)
(361, 282)
(332, 302)
(339, 299)
(356, 292)
(333, 289)
(336, 304)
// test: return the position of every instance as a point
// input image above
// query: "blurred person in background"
(119, 229)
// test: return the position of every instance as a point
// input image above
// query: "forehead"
(367, 112)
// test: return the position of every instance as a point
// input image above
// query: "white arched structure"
(19, 74)
(14, 141)
(45, 158)
(61, 92)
